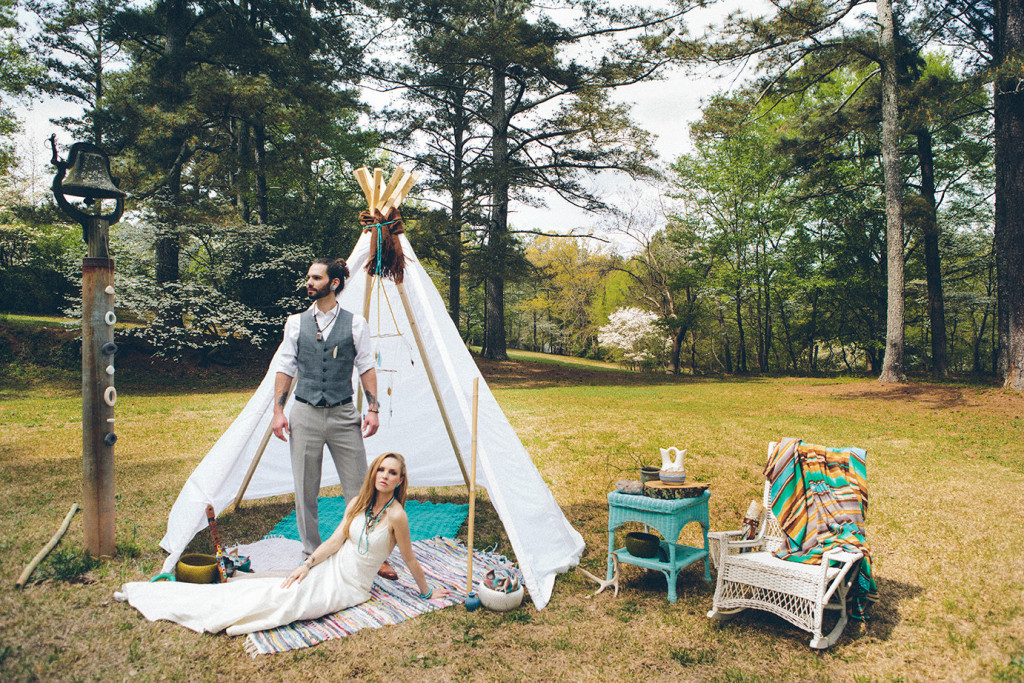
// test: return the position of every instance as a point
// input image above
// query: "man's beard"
(315, 293)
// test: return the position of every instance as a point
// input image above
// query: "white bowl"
(499, 601)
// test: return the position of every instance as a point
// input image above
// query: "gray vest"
(323, 373)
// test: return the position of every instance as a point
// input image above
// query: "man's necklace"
(363, 545)
(319, 331)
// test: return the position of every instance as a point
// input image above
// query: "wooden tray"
(670, 490)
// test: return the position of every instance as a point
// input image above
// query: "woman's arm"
(323, 551)
(400, 530)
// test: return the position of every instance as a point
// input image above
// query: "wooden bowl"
(197, 568)
(640, 544)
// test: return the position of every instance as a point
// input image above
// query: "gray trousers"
(311, 428)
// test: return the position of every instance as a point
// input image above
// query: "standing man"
(321, 347)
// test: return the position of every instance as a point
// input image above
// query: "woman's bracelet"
(309, 562)
(426, 596)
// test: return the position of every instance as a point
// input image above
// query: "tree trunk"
(892, 364)
(677, 345)
(497, 231)
(932, 259)
(725, 339)
(1009, 223)
(260, 148)
(741, 350)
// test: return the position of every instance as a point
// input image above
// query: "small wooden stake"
(20, 583)
(472, 488)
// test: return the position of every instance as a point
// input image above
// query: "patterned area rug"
(426, 519)
(391, 602)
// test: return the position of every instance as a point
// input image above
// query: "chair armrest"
(731, 539)
(841, 556)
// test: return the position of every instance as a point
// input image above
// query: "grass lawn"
(944, 461)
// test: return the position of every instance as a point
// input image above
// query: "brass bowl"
(640, 544)
(197, 568)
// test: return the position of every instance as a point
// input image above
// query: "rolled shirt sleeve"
(285, 360)
(365, 353)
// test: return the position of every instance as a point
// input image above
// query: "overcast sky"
(665, 108)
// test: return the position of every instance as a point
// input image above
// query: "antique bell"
(89, 176)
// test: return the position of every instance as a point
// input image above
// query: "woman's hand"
(297, 575)
(437, 593)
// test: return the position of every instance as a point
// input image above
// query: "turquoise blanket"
(426, 520)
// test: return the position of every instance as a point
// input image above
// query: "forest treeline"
(866, 145)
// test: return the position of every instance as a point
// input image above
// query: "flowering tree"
(634, 338)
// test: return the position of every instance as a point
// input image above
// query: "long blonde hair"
(368, 493)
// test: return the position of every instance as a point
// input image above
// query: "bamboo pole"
(256, 458)
(472, 490)
(20, 583)
(431, 378)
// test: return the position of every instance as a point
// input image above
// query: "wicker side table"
(668, 517)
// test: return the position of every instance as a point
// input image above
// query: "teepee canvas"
(411, 423)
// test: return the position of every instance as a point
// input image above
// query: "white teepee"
(411, 424)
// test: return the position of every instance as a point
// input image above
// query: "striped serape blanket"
(443, 561)
(820, 497)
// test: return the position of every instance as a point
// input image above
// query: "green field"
(944, 462)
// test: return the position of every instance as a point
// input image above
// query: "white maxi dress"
(244, 605)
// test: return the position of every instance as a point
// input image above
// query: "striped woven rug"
(391, 602)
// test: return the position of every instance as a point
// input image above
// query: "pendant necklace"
(370, 524)
(320, 332)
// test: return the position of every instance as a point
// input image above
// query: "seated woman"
(337, 575)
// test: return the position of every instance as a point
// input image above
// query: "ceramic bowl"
(672, 477)
(499, 601)
(197, 568)
(640, 544)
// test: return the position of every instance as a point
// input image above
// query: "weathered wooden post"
(89, 178)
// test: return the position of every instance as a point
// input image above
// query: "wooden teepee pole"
(472, 490)
(366, 317)
(256, 459)
(432, 379)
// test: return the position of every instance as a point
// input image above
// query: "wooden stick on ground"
(20, 583)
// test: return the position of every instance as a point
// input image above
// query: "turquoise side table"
(668, 517)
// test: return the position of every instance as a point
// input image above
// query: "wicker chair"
(750, 576)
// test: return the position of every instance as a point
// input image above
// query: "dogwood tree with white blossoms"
(633, 336)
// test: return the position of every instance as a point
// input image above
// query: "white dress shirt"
(285, 360)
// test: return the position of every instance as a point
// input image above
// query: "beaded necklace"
(371, 523)
(319, 330)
